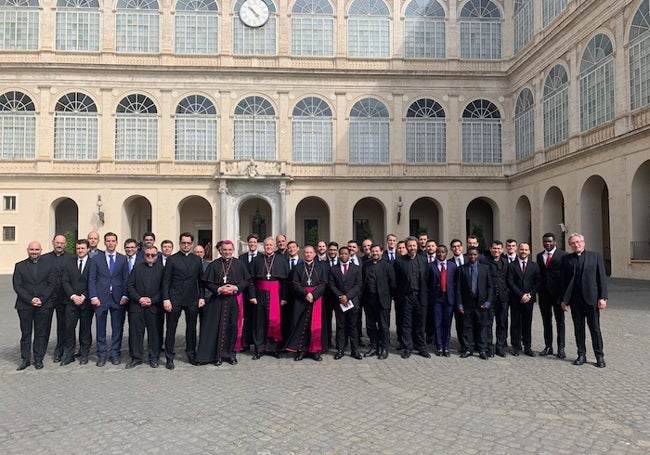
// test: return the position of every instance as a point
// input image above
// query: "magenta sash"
(315, 342)
(274, 331)
(240, 322)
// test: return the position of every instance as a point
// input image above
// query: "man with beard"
(227, 279)
(59, 257)
(308, 282)
(498, 265)
(270, 273)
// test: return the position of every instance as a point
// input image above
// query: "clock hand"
(253, 11)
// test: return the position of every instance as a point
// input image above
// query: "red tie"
(523, 267)
(345, 269)
(443, 277)
(548, 259)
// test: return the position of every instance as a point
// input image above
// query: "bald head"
(34, 250)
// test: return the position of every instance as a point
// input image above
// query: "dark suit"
(458, 317)
(346, 321)
(182, 286)
(59, 300)
(145, 281)
(411, 295)
(330, 301)
(377, 291)
(34, 279)
(76, 283)
(584, 282)
(474, 305)
(521, 314)
(441, 303)
(550, 296)
(109, 287)
(499, 308)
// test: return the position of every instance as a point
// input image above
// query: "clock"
(254, 13)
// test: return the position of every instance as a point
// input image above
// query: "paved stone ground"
(439, 405)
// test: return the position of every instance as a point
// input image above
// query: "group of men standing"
(271, 299)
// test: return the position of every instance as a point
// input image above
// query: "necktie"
(81, 262)
(293, 263)
(392, 256)
(131, 263)
(345, 269)
(474, 277)
(443, 277)
(548, 259)
(111, 263)
(332, 263)
(523, 266)
(431, 258)
(459, 262)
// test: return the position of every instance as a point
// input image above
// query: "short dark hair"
(252, 236)
(83, 242)
(549, 235)
(166, 242)
(110, 234)
(497, 242)
(473, 248)
(149, 234)
(333, 244)
(186, 234)
(455, 241)
(130, 240)
(344, 248)
(511, 241)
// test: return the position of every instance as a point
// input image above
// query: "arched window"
(480, 30)
(481, 133)
(255, 127)
(525, 124)
(640, 57)
(369, 132)
(597, 83)
(368, 29)
(136, 129)
(424, 30)
(75, 128)
(137, 28)
(18, 25)
(312, 131)
(312, 28)
(524, 23)
(196, 129)
(426, 132)
(196, 27)
(551, 9)
(17, 127)
(251, 40)
(556, 106)
(77, 25)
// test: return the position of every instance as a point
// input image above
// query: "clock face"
(254, 13)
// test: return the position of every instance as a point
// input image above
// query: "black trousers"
(591, 313)
(549, 307)
(346, 328)
(413, 320)
(191, 316)
(84, 316)
(36, 321)
(521, 324)
(475, 326)
(330, 301)
(459, 319)
(377, 322)
(500, 317)
(138, 322)
(59, 310)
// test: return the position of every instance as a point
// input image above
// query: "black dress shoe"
(438, 352)
(101, 362)
(170, 364)
(515, 352)
(83, 360)
(600, 362)
(317, 357)
(383, 355)
(338, 355)
(115, 360)
(424, 354)
(446, 353)
(406, 354)
(356, 355)
(217, 363)
(561, 354)
(372, 352)
(500, 352)
(154, 364)
(484, 355)
(38, 364)
(56, 359)
(232, 360)
(23, 365)
(133, 364)
(68, 361)
(529, 352)
(299, 356)
(465, 354)
(546, 351)
(256, 356)
(193, 362)
(580, 360)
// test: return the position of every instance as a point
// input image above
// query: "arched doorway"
(195, 215)
(594, 218)
(368, 217)
(479, 221)
(641, 213)
(66, 219)
(137, 210)
(553, 216)
(255, 217)
(312, 221)
(424, 217)
(523, 228)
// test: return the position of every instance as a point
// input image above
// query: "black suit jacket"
(34, 280)
(520, 283)
(404, 282)
(182, 278)
(348, 284)
(75, 282)
(464, 287)
(385, 279)
(145, 281)
(593, 281)
(551, 276)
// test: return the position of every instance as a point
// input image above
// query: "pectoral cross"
(268, 276)
(224, 279)
(309, 282)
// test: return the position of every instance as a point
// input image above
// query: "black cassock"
(219, 324)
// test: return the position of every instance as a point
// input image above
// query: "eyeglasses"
(151, 255)
(186, 243)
